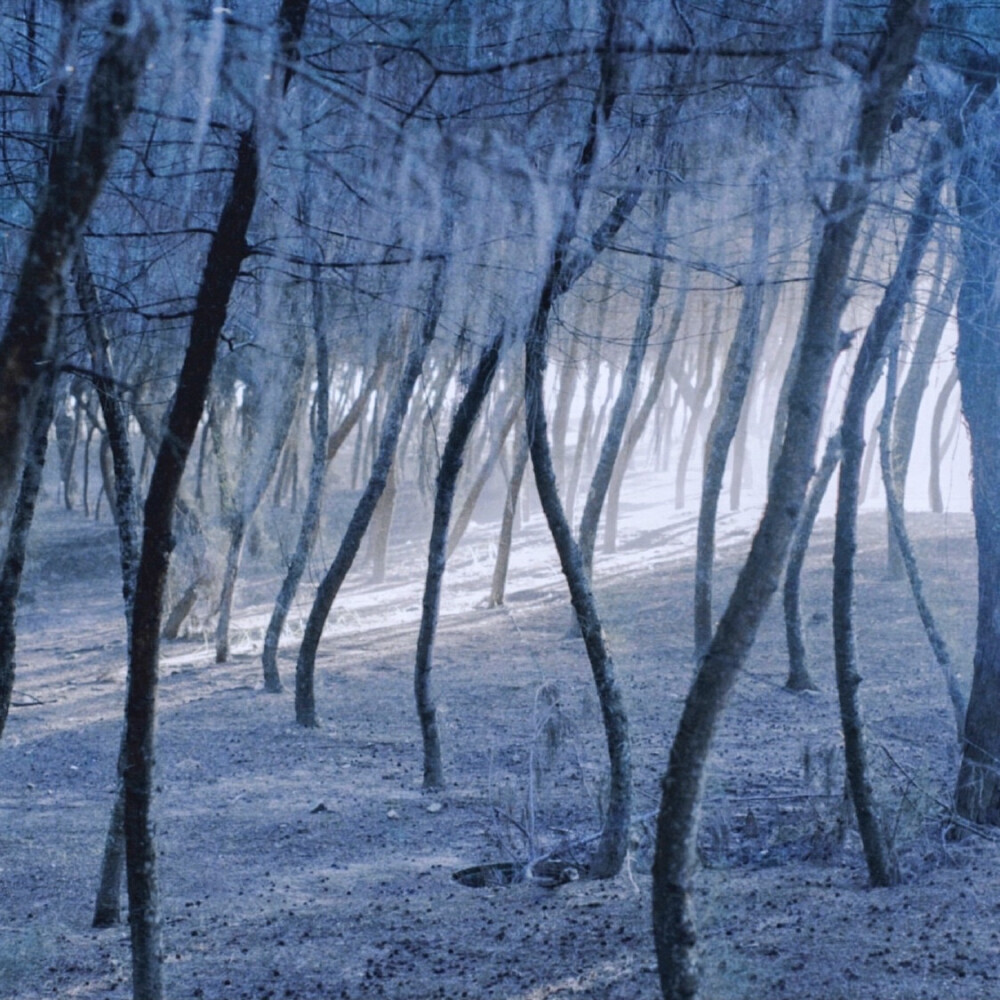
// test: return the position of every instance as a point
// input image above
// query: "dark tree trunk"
(77, 169)
(226, 252)
(17, 539)
(611, 850)
(799, 678)
(977, 794)
(732, 393)
(882, 868)
(326, 593)
(897, 522)
(325, 448)
(675, 860)
(451, 464)
(123, 501)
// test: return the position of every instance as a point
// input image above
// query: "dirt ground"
(309, 864)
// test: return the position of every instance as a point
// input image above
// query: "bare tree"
(77, 169)
(675, 860)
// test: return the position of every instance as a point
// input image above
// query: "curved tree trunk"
(639, 422)
(882, 868)
(799, 678)
(897, 522)
(732, 392)
(907, 407)
(12, 567)
(124, 504)
(451, 464)
(72, 186)
(326, 593)
(977, 793)
(325, 449)
(611, 446)
(675, 860)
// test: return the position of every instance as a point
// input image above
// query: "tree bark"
(907, 407)
(226, 252)
(464, 516)
(77, 169)
(123, 501)
(639, 422)
(977, 793)
(324, 451)
(882, 867)
(326, 593)
(12, 568)
(611, 446)
(451, 464)
(897, 522)
(799, 678)
(732, 393)
(675, 859)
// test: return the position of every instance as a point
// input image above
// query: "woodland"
(409, 413)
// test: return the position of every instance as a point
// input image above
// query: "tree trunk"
(897, 522)
(587, 417)
(226, 252)
(732, 392)
(697, 397)
(639, 422)
(17, 539)
(468, 508)
(123, 501)
(977, 794)
(937, 447)
(799, 678)
(451, 464)
(326, 593)
(568, 377)
(611, 447)
(77, 169)
(499, 582)
(675, 860)
(882, 868)
(907, 407)
(256, 473)
(324, 452)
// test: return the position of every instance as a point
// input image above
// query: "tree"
(451, 464)
(77, 169)
(732, 392)
(329, 587)
(675, 860)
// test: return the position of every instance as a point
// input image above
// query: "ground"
(310, 864)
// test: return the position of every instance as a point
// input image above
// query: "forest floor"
(309, 864)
